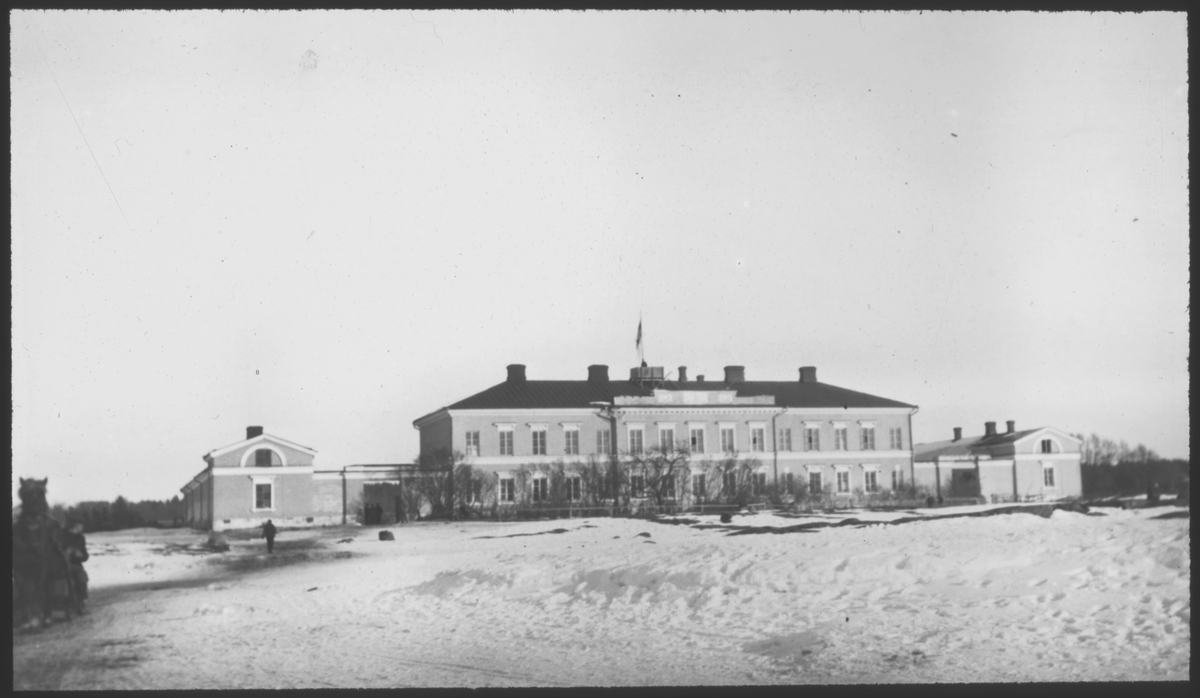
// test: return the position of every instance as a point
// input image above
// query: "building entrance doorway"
(964, 483)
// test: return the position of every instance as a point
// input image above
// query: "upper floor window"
(571, 442)
(472, 443)
(539, 440)
(666, 439)
(262, 457)
(867, 438)
(604, 442)
(636, 435)
(812, 438)
(895, 442)
(697, 439)
(728, 441)
(506, 443)
(262, 495)
(840, 440)
(784, 440)
(1047, 446)
(758, 439)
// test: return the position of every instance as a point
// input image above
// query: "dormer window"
(1047, 446)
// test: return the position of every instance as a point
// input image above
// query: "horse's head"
(33, 496)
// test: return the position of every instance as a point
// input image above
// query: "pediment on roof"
(258, 442)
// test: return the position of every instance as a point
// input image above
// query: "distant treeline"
(1115, 469)
(121, 513)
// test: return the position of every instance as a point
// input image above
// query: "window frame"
(471, 443)
(812, 436)
(1049, 474)
(507, 491)
(724, 428)
(640, 430)
(260, 481)
(667, 445)
(603, 442)
(697, 445)
(571, 441)
(506, 439)
(841, 436)
(758, 438)
(540, 490)
(842, 475)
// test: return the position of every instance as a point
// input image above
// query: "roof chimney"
(989, 428)
(1012, 426)
(252, 432)
(808, 374)
(735, 374)
(700, 378)
(597, 373)
(683, 374)
(957, 433)
(516, 373)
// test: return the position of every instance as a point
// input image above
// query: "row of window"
(695, 442)
(758, 482)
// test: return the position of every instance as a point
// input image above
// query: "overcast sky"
(332, 223)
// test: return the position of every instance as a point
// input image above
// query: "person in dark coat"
(75, 546)
(269, 534)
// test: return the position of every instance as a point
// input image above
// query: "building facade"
(266, 477)
(1034, 464)
(824, 437)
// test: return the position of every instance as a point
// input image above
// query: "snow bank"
(1010, 597)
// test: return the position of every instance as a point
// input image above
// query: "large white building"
(830, 439)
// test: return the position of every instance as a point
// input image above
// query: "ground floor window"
(699, 488)
(729, 483)
(814, 482)
(637, 486)
(1048, 475)
(474, 492)
(760, 483)
(843, 482)
(263, 495)
(508, 489)
(897, 479)
(871, 481)
(541, 489)
(667, 487)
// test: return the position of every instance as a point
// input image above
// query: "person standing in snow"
(75, 546)
(269, 534)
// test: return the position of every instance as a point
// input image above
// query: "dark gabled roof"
(581, 393)
(968, 445)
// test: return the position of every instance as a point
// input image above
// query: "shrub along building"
(799, 435)
(1038, 463)
(265, 477)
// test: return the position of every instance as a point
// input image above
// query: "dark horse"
(41, 573)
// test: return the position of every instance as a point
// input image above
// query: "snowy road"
(1012, 597)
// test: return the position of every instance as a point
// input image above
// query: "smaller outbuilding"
(266, 477)
(1034, 464)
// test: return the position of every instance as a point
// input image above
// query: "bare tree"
(661, 469)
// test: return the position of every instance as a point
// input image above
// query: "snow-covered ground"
(1013, 597)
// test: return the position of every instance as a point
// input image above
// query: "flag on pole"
(639, 337)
